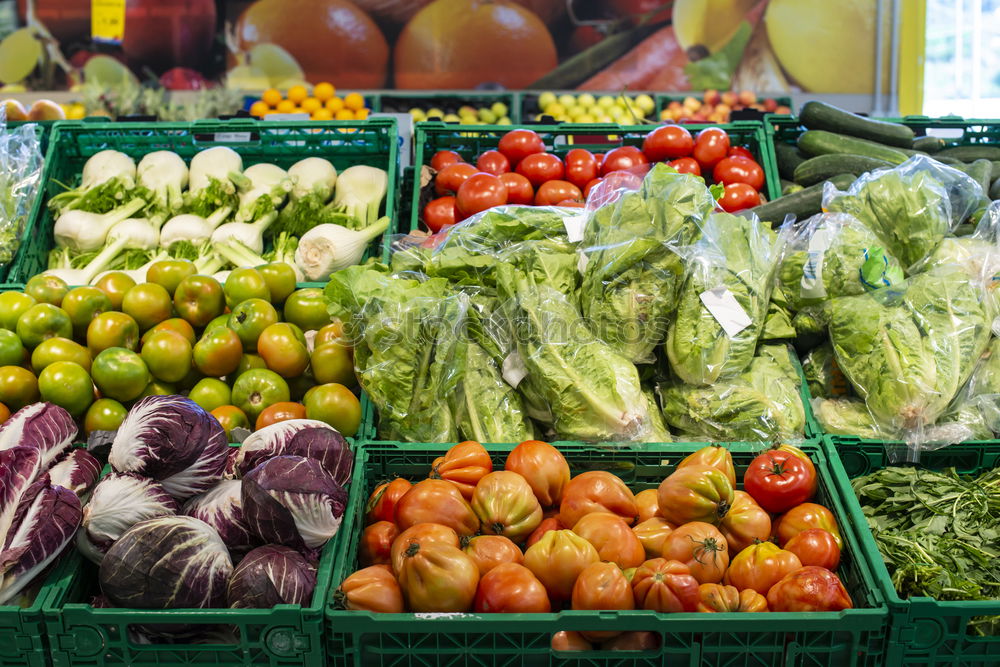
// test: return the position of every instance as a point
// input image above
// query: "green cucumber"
(928, 144)
(788, 157)
(822, 116)
(972, 153)
(979, 171)
(802, 204)
(821, 142)
(822, 167)
(995, 190)
(950, 161)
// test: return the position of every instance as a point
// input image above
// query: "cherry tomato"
(739, 170)
(519, 189)
(596, 491)
(686, 165)
(741, 152)
(493, 162)
(553, 192)
(519, 144)
(667, 142)
(779, 481)
(511, 588)
(442, 159)
(810, 588)
(373, 588)
(816, 547)
(581, 167)
(623, 157)
(591, 184)
(541, 167)
(739, 196)
(439, 213)
(480, 192)
(710, 146)
(451, 177)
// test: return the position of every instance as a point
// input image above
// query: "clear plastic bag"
(823, 374)
(20, 176)
(847, 416)
(724, 300)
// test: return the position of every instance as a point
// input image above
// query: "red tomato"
(667, 142)
(687, 165)
(779, 481)
(488, 551)
(436, 501)
(652, 533)
(451, 177)
(440, 213)
(541, 167)
(810, 588)
(702, 548)
(759, 566)
(792, 449)
(505, 505)
(728, 599)
(421, 533)
(600, 159)
(558, 559)
(596, 491)
(623, 157)
(648, 504)
(602, 586)
(551, 523)
(438, 578)
(374, 589)
(376, 543)
(744, 523)
(741, 152)
(519, 190)
(816, 547)
(739, 170)
(493, 162)
(511, 588)
(591, 184)
(695, 493)
(581, 167)
(803, 517)
(611, 536)
(480, 192)
(571, 203)
(543, 466)
(665, 586)
(442, 159)
(710, 146)
(463, 465)
(739, 196)
(382, 503)
(519, 144)
(713, 456)
(567, 640)
(553, 192)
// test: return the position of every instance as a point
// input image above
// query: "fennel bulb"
(107, 178)
(327, 248)
(191, 227)
(210, 180)
(134, 233)
(312, 177)
(249, 234)
(360, 190)
(85, 232)
(264, 191)
(164, 175)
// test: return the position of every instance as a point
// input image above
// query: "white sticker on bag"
(514, 369)
(812, 286)
(723, 306)
(574, 227)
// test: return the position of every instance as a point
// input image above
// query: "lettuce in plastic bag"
(485, 406)
(823, 375)
(20, 175)
(846, 416)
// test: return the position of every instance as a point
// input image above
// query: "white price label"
(812, 271)
(514, 369)
(723, 306)
(232, 137)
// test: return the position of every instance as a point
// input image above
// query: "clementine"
(463, 43)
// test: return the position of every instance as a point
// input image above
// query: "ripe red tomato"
(519, 190)
(810, 588)
(480, 192)
(759, 566)
(739, 170)
(816, 547)
(667, 142)
(596, 491)
(803, 517)
(702, 548)
(739, 196)
(779, 480)
(440, 213)
(686, 165)
(376, 543)
(555, 192)
(602, 586)
(543, 466)
(571, 203)
(488, 551)
(382, 503)
(511, 588)
(436, 501)
(623, 157)
(728, 599)
(442, 159)
(451, 177)
(695, 493)
(711, 145)
(421, 533)
(591, 184)
(744, 523)
(519, 144)
(541, 167)
(740, 151)
(665, 586)
(493, 162)
(374, 589)
(611, 536)
(463, 465)
(581, 167)
(505, 505)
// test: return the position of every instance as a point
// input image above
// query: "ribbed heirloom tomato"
(558, 559)
(760, 566)
(489, 551)
(437, 578)
(436, 501)
(728, 599)
(695, 493)
(713, 456)
(381, 504)
(744, 522)
(376, 543)
(665, 586)
(374, 589)
(602, 586)
(543, 467)
(511, 588)
(702, 548)
(505, 505)
(421, 533)
(596, 491)
(815, 547)
(803, 517)
(551, 523)
(810, 588)
(652, 533)
(612, 537)
(463, 465)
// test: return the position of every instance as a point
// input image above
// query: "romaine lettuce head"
(847, 416)
(824, 376)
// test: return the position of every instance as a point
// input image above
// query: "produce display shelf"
(853, 637)
(922, 631)
(401, 101)
(664, 99)
(529, 100)
(471, 140)
(344, 143)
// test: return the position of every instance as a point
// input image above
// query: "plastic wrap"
(823, 374)
(846, 416)
(831, 255)
(724, 299)
(20, 176)
(975, 412)
(908, 349)
(911, 207)
(631, 276)
(762, 403)
(778, 323)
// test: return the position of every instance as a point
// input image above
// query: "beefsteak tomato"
(816, 547)
(779, 480)
(760, 566)
(648, 504)
(702, 548)
(463, 465)
(601, 586)
(665, 586)
(438, 578)
(810, 588)
(511, 588)
(713, 456)
(544, 467)
(728, 599)
(436, 501)
(695, 492)
(421, 533)
(551, 523)
(744, 523)
(488, 551)
(652, 533)
(558, 559)
(505, 505)
(803, 517)
(372, 588)
(596, 491)
(612, 537)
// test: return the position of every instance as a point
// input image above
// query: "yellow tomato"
(271, 97)
(354, 101)
(297, 93)
(324, 91)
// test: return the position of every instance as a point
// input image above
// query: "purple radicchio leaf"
(292, 500)
(45, 426)
(174, 441)
(118, 502)
(20, 468)
(274, 440)
(270, 575)
(221, 507)
(77, 471)
(229, 472)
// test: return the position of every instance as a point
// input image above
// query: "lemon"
(555, 109)
(499, 109)
(435, 113)
(545, 99)
(259, 108)
(586, 100)
(298, 93)
(334, 104)
(605, 101)
(646, 103)
(567, 100)
(418, 114)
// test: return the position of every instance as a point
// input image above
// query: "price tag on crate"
(233, 137)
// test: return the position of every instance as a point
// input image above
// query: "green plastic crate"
(471, 140)
(923, 631)
(849, 638)
(22, 629)
(344, 143)
(42, 129)
(955, 130)
(400, 101)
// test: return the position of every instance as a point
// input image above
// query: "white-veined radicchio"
(298, 437)
(45, 426)
(120, 501)
(270, 575)
(77, 471)
(221, 507)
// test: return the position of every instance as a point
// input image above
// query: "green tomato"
(167, 355)
(59, 349)
(104, 414)
(18, 387)
(83, 304)
(220, 322)
(336, 405)
(47, 289)
(11, 349)
(168, 273)
(67, 385)
(249, 319)
(306, 308)
(280, 279)
(199, 299)
(12, 306)
(248, 362)
(243, 284)
(258, 389)
(42, 321)
(211, 393)
(157, 388)
(120, 374)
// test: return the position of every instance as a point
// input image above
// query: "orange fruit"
(334, 104)
(311, 104)
(297, 94)
(259, 108)
(361, 114)
(285, 106)
(271, 97)
(324, 91)
(332, 40)
(463, 43)
(345, 114)
(354, 101)
(322, 114)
